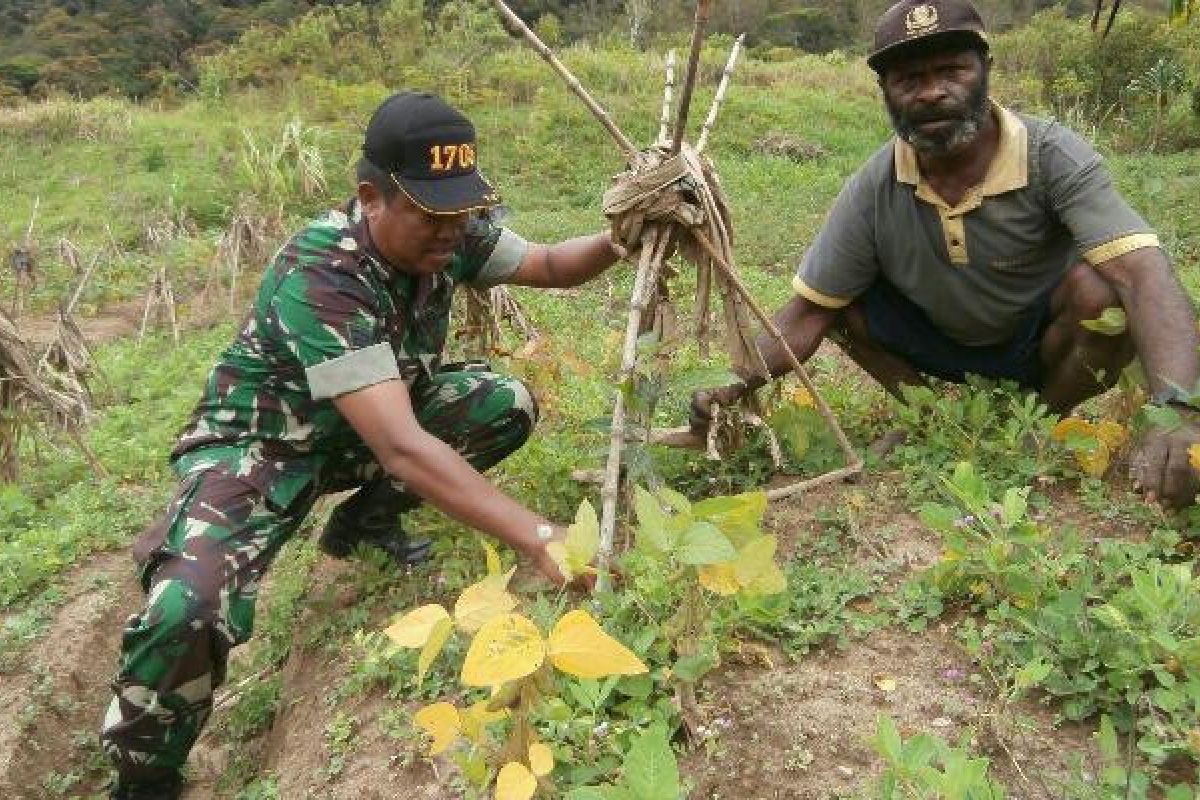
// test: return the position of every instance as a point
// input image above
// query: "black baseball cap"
(913, 26)
(429, 150)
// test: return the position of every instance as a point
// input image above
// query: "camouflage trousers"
(214, 544)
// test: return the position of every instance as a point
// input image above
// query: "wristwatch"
(1173, 396)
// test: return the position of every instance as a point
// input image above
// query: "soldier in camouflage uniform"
(334, 382)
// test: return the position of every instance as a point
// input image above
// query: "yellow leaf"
(541, 760)
(719, 579)
(515, 782)
(803, 398)
(506, 648)
(1072, 426)
(476, 719)
(480, 602)
(574, 555)
(1111, 433)
(1194, 456)
(579, 647)
(1094, 462)
(493, 558)
(437, 640)
(755, 568)
(414, 628)
(441, 722)
(885, 683)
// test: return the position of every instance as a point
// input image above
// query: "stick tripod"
(705, 238)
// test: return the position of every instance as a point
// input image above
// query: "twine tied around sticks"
(681, 194)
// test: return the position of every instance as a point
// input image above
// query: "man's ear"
(370, 199)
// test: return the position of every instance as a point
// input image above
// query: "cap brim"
(933, 41)
(450, 195)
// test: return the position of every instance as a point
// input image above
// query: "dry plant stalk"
(484, 314)
(160, 300)
(689, 79)
(664, 126)
(24, 264)
(27, 396)
(719, 99)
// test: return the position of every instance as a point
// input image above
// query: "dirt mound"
(789, 146)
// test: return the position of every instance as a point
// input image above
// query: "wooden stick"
(720, 96)
(548, 56)
(853, 460)
(654, 241)
(689, 80)
(37, 201)
(664, 127)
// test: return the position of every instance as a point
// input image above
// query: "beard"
(965, 121)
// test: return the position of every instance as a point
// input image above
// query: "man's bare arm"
(1161, 318)
(1163, 325)
(569, 263)
(382, 415)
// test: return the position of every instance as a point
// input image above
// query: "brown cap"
(925, 24)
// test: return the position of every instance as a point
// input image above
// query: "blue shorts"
(899, 326)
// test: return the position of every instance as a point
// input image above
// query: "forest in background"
(86, 48)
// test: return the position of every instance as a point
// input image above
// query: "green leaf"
(650, 767)
(1163, 417)
(703, 544)
(1032, 674)
(652, 528)
(887, 740)
(1106, 737)
(691, 669)
(738, 516)
(1014, 506)
(587, 793)
(1110, 323)
(674, 500)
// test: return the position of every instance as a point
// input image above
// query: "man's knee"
(523, 400)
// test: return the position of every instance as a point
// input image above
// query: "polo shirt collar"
(1009, 169)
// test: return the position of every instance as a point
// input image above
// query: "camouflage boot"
(370, 517)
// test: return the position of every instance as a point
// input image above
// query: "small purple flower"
(954, 674)
(963, 522)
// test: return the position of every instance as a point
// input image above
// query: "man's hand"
(699, 415)
(547, 567)
(1160, 466)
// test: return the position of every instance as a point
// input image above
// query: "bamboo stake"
(654, 244)
(664, 127)
(689, 80)
(853, 460)
(564, 73)
(37, 201)
(720, 96)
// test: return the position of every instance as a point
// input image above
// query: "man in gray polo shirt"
(976, 242)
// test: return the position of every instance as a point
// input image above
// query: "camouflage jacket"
(330, 317)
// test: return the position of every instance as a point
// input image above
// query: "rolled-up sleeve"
(328, 321)
(841, 262)
(1081, 193)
